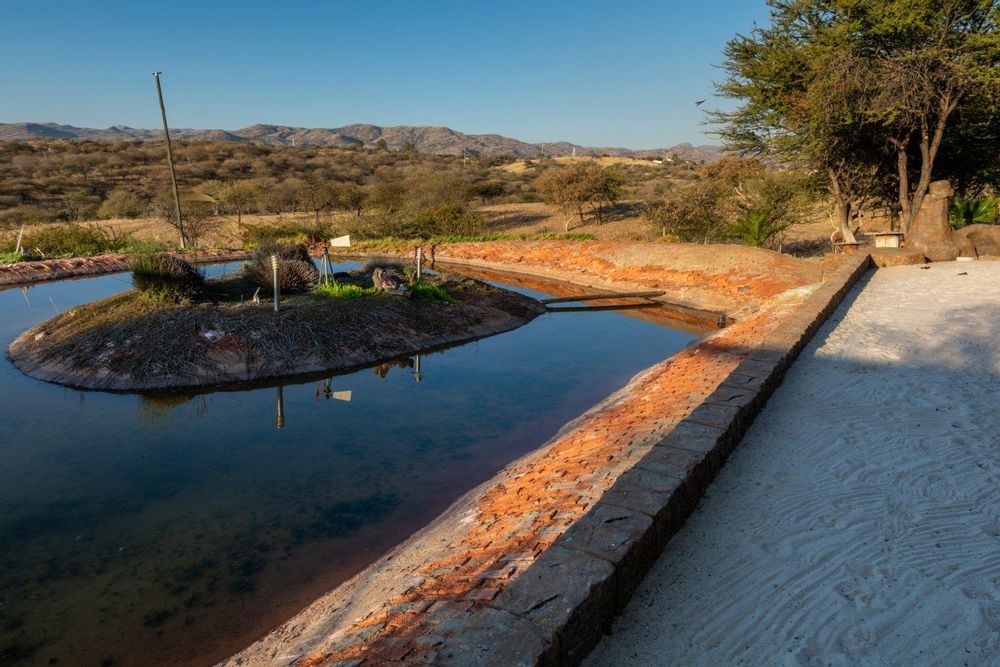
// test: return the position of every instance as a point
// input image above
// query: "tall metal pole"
(170, 159)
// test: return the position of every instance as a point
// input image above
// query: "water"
(177, 529)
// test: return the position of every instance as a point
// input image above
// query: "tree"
(606, 187)
(240, 195)
(121, 204)
(928, 59)
(862, 90)
(318, 194)
(387, 195)
(691, 212)
(351, 197)
(573, 188)
(488, 191)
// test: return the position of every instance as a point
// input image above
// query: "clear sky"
(598, 73)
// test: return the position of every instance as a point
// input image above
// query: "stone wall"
(531, 567)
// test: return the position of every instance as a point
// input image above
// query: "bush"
(294, 231)
(422, 223)
(284, 251)
(966, 211)
(73, 240)
(166, 277)
(296, 272)
(67, 240)
(756, 228)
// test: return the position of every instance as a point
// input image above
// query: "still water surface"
(142, 530)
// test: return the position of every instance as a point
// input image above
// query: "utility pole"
(170, 159)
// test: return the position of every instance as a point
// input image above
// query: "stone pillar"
(930, 232)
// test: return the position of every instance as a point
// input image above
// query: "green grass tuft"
(336, 290)
(432, 293)
(10, 257)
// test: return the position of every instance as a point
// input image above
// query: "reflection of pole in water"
(417, 375)
(326, 391)
(24, 292)
(280, 420)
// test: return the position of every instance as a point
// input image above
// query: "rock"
(984, 238)
(930, 232)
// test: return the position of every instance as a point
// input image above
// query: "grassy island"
(177, 330)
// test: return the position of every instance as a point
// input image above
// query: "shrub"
(284, 251)
(166, 277)
(296, 272)
(73, 240)
(966, 211)
(67, 240)
(424, 222)
(294, 231)
(756, 228)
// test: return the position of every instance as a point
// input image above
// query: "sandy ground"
(859, 521)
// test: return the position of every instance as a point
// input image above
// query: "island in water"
(176, 330)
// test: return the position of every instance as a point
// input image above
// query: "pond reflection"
(175, 529)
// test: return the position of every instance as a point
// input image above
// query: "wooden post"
(274, 267)
(19, 235)
(170, 160)
(420, 262)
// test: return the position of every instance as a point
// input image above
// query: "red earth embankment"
(711, 277)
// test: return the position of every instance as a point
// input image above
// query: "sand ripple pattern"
(859, 521)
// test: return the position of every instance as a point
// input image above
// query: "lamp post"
(274, 268)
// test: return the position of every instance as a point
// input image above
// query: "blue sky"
(609, 73)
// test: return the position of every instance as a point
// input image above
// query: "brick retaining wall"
(531, 567)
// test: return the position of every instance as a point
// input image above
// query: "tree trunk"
(841, 215)
(903, 174)
(929, 144)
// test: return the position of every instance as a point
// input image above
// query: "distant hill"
(439, 140)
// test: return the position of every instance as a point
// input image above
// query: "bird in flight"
(699, 103)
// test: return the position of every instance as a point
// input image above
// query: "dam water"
(177, 528)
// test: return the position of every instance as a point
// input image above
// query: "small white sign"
(341, 242)
(342, 395)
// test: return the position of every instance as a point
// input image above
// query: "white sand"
(859, 520)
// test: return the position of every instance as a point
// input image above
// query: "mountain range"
(425, 139)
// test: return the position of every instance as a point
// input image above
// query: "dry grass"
(522, 165)
(622, 222)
